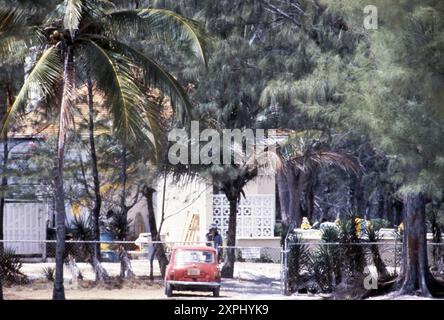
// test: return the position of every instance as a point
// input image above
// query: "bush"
(326, 264)
(353, 255)
(379, 223)
(49, 272)
(326, 268)
(298, 261)
(10, 268)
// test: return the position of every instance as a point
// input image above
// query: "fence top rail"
(206, 242)
(247, 247)
(356, 243)
(105, 242)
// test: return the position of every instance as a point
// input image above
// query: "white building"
(190, 209)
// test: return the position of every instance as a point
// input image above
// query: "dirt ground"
(145, 289)
(252, 281)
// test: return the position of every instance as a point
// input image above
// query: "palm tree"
(302, 155)
(81, 38)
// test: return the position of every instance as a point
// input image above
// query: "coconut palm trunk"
(95, 171)
(126, 270)
(159, 250)
(68, 84)
(101, 274)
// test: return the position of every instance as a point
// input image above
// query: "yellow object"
(338, 222)
(305, 224)
(358, 226)
(401, 227)
(193, 228)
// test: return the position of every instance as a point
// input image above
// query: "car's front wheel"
(169, 290)
(216, 292)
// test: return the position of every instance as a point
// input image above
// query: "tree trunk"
(95, 171)
(4, 185)
(309, 195)
(297, 197)
(398, 209)
(59, 291)
(75, 272)
(126, 270)
(68, 84)
(228, 267)
(159, 250)
(101, 274)
(125, 263)
(282, 187)
(417, 278)
(381, 204)
(381, 268)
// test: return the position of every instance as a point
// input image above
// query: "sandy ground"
(252, 281)
(231, 289)
(243, 270)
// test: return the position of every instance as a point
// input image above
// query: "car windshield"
(194, 256)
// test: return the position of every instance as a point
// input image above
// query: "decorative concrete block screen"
(255, 216)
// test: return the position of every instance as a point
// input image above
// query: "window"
(194, 256)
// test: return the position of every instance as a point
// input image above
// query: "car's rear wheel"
(169, 290)
(216, 292)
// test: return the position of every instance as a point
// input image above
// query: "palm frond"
(155, 130)
(327, 158)
(154, 75)
(114, 78)
(166, 25)
(14, 32)
(73, 15)
(10, 18)
(43, 77)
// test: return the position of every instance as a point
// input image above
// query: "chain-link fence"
(32, 260)
(257, 271)
(320, 267)
(316, 266)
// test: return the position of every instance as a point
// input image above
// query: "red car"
(192, 269)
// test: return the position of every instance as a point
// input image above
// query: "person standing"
(215, 239)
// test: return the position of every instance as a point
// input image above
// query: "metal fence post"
(284, 268)
(95, 248)
(396, 254)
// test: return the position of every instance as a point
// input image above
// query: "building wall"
(182, 200)
(139, 217)
(273, 242)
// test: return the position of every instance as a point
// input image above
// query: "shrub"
(379, 223)
(298, 261)
(326, 264)
(10, 267)
(49, 272)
